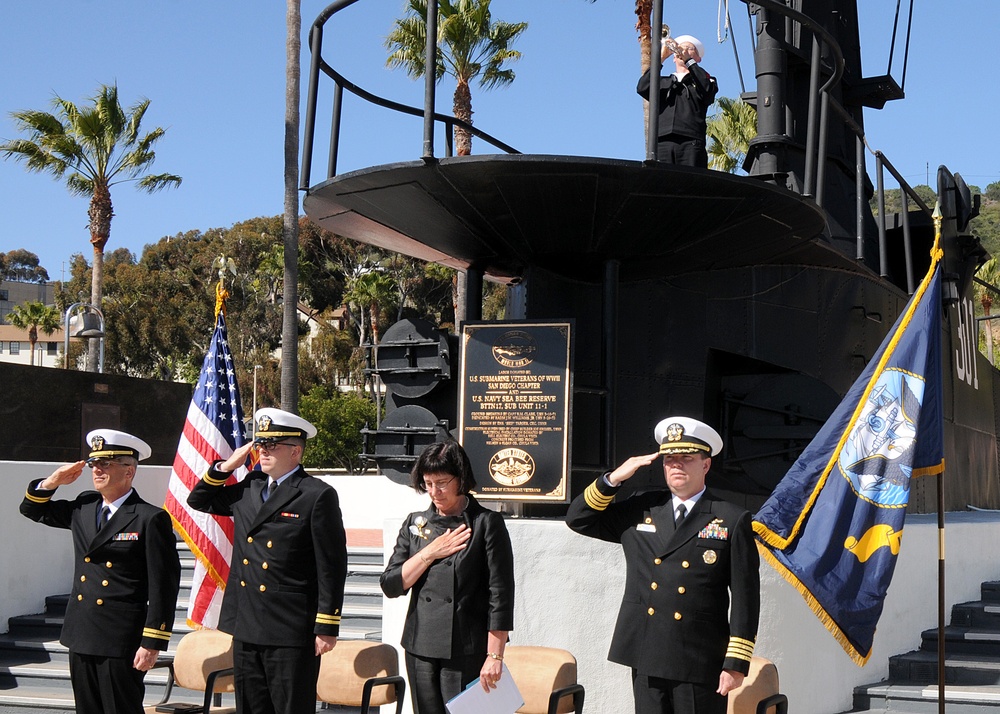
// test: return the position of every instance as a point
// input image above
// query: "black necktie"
(269, 490)
(681, 512)
(103, 517)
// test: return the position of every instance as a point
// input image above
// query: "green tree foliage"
(730, 130)
(894, 201)
(339, 417)
(34, 316)
(494, 301)
(98, 146)
(22, 266)
(330, 358)
(471, 45)
(159, 308)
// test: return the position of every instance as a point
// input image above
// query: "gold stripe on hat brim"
(106, 453)
(683, 447)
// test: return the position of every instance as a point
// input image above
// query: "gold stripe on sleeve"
(155, 634)
(595, 499)
(740, 649)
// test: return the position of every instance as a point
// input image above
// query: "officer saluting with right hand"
(688, 644)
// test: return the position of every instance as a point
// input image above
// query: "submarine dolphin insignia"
(784, 281)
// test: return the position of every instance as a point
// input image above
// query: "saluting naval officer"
(286, 579)
(125, 578)
(688, 618)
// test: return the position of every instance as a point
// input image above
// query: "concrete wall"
(569, 588)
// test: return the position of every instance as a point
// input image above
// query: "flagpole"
(940, 509)
(940, 523)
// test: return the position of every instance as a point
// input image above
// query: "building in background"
(14, 344)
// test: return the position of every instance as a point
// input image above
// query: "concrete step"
(920, 667)
(923, 699)
(982, 642)
(990, 591)
(981, 615)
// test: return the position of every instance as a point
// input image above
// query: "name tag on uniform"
(646, 527)
(125, 536)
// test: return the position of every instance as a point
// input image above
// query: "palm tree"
(34, 316)
(471, 45)
(290, 223)
(989, 272)
(98, 146)
(730, 131)
(371, 290)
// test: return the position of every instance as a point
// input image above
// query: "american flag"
(212, 431)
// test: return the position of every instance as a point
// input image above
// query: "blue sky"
(214, 72)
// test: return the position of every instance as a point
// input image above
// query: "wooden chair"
(759, 691)
(203, 662)
(546, 678)
(359, 673)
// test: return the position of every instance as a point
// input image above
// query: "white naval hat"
(275, 424)
(694, 41)
(109, 443)
(683, 435)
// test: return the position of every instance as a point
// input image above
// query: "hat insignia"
(264, 423)
(675, 432)
(97, 443)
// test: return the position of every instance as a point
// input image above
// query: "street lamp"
(84, 321)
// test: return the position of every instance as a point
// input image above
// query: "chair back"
(199, 653)
(759, 684)
(538, 671)
(344, 670)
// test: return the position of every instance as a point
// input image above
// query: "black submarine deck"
(570, 215)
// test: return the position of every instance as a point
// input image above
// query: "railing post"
(859, 197)
(655, 64)
(824, 124)
(338, 99)
(430, 78)
(907, 248)
(883, 258)
(316, 49)
(811, 134)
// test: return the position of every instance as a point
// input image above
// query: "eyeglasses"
(437, 485)
(103, 464)
(270, 444)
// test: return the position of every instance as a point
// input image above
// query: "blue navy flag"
(833, 525)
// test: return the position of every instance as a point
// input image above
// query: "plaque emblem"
(97, 443)
(264, 423)
(515, 348)
(710, 556)
(512, 467)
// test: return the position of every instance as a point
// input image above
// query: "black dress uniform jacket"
(458, 599)
(125, 578)
(692, 594)
(683, 103)
(286, 578)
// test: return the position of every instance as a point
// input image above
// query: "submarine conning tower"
(781, 283)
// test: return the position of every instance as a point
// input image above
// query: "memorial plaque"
(514, 408)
